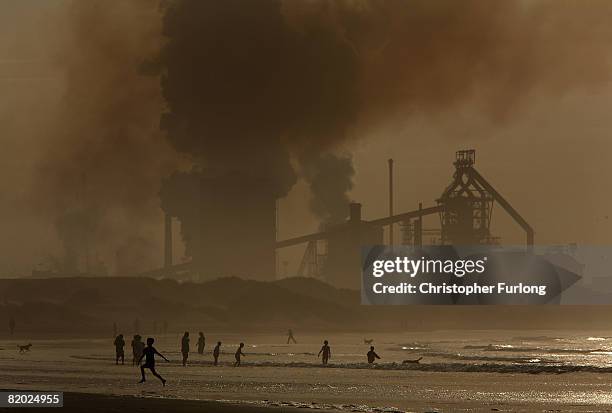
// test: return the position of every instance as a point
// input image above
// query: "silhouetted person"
(185, 347)
(149, 353)
(137, 348)
(290, 337)
(119, 344)
(238, 354)
(216, 352)
(12, 325)
(201, 343)
(372, 355)
(326, 352)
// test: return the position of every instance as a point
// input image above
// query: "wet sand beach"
(275, 375)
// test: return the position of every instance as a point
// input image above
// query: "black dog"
(23, 349)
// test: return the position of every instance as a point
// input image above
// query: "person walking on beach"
(326, 352)
(201, 343)
(238, 354)
(149, 353)
(185, 347)
(290, 337)
(216, 352)
(119, 344)
(137, 348)
(12, 325)
(372, 356)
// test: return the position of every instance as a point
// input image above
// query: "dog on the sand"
(412, 361)
(24, 349)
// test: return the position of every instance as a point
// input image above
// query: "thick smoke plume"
(331, 178)
(104, 157)
(244, 88)
(245, 91)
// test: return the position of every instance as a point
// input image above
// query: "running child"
(149, 353)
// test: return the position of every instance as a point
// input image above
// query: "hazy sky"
(79, 124)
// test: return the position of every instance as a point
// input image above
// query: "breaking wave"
(519, 349)
(447, 367)
(500, 359)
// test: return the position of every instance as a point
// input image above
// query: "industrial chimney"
(167, 240)
(355, 212)
(391, 200)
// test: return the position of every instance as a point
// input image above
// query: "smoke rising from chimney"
(330, 177)
(245, 93)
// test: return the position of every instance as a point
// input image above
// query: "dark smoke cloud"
(243, 88)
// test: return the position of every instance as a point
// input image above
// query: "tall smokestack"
(390, 200)
(167, 240)
(418, 231)
(355, 212)
(276, 256)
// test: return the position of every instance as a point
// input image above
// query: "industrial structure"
(464, 208)
(467, 206)
(340, 256)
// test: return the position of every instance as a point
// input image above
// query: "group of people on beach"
(202, 344)
(148, 352)
(325, 354)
